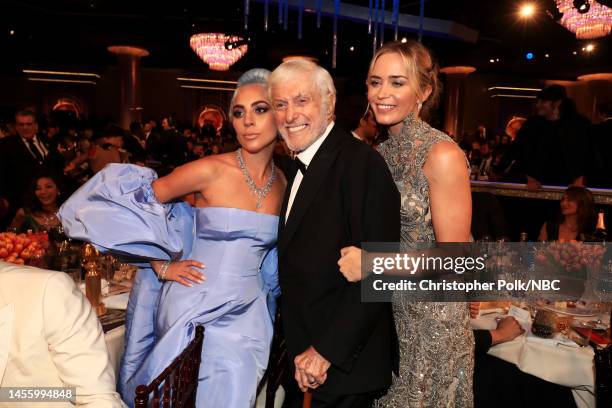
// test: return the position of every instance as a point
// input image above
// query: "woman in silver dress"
(432, 175)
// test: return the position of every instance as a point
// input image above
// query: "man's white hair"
(322, 79)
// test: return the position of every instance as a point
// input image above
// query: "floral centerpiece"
(569, 262)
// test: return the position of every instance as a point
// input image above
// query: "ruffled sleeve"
(117, 211)
(269, 273)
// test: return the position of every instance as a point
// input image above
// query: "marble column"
(130, 108)
(454, 97)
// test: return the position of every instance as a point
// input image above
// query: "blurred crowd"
(43, 162)
(556, 146)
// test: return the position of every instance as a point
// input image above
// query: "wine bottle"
(600, 230)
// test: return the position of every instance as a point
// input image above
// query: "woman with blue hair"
(127, 210)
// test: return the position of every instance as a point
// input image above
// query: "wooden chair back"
(177, 385)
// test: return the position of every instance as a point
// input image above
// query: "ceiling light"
(404, 40)
(587, 22)
(527, 10)
(589, 48)
(582, 6)
(218, 50)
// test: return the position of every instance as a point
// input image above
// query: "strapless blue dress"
(117, 211)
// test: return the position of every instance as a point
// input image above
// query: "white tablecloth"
(114, 341)
(557, 363)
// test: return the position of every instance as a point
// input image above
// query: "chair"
(277, 364)
(177, 385)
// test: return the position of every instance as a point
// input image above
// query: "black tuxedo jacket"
(137, 152)
(346, 197)
(17, 167)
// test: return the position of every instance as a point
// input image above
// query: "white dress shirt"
(305, 157)
(42, 150)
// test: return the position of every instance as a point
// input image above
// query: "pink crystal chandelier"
(210, 47)
(594, 24)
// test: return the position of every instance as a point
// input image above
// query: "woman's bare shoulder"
(210, 165)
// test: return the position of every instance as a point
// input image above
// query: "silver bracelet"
(163, 269)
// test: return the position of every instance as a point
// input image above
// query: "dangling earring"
(419, 106)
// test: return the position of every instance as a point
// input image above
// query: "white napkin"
(105, 287)
(117, 301)
(557, 339)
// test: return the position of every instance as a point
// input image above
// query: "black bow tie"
(301, 166)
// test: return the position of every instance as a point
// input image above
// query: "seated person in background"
(488, 218)
(507, 329)
(51, 337)
(501, 384)
(43, 203)
(576, 219)
(600, 148)
(366, 129)
(474, 155)
(108, 149)
(199, 151)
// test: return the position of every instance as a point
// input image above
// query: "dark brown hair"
(586, 208)
(32, 201)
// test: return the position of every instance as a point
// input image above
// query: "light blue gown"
(117, 211)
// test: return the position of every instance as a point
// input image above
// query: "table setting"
(557, 344)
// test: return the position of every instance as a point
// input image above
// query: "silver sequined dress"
(436, 341)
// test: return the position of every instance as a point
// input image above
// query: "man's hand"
(310, 369)
(533, 184)
(507, 329)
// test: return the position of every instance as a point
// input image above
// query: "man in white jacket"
(51, 337)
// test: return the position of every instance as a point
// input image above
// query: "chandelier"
(211, 49)
(597, 22)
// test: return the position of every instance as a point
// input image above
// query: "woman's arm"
(450, 199)
(189, 178)
(450, 194)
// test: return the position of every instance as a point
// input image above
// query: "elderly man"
(50, 337)
(341, 193)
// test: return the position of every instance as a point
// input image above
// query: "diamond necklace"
(260, 193)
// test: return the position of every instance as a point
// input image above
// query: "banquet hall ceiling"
(75, 33)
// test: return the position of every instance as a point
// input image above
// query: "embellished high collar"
(408, 131)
